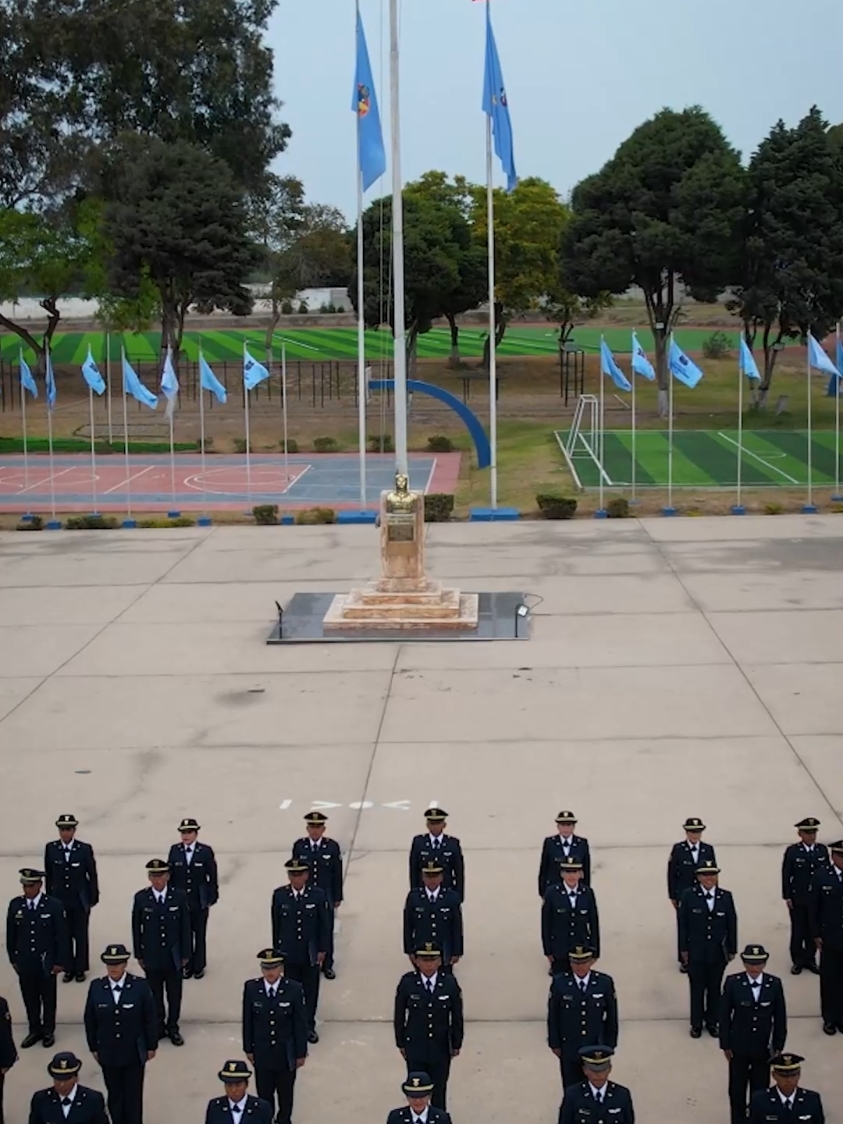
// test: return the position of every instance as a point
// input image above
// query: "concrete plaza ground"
(677, 667)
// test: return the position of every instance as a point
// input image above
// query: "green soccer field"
(704, 458)
(322, 344)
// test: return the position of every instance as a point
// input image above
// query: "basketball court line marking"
(125, 483)
(249, 486)
(46, 481)
(749, 452)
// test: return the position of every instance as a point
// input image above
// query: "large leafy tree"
(662, 213)
(177, 221)
(792, 274)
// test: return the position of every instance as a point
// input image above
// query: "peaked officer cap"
(157, 866)
(810, 823)
(67, 819)
(755, 954)
(270, 957)
(29, 876)
(566, 817)
(115, 954)
(693, 823)
(64, 1064)
(708, 867)
(418, 1084)
(189, 824)
(316, 818)
(786, 1063)
(234, 1071)
(435, 815)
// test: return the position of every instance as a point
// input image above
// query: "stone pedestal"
(403, 597)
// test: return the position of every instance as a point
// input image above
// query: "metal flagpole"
(399, 342)
(284, 415)
(248, 452)
(361, 338)
(126, 442)
(738, 508)
(50, 446)
(202, 436)
(172, 466)
(809, 507)
(93, 451)
(837, 388)
(632, 377)
(669, 509)
(493, 367)
(108, 383)
(600, 446)
(23, 425)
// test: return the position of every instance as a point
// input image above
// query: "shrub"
(240, 445)
(266, 514)
(325, 444)
(286, 308)
(386, 440)
(314, 515)
(34, 523)
(618, 508)
(182, 521)
(209, 445)
(303, 309)
(439, 443)
(717, 346)
(773, 508)
(438, 507)
(553, 505)
(292, 445)
(179, 521)
(91, 523)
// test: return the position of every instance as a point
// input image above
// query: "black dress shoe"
(67, 977)
(683, 968)
(829, 1028)
(313, 1037)
(812, 967)
(31, 1039)
(329, 974)
(48, 1040)
(796, 970)
(713, 1031)
(187, 973)
(198, 975)
(175, 1037)
(696, 1032)
(80, 977)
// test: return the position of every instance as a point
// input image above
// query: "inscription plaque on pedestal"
(400, 527)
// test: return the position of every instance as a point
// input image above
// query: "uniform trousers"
(78, 920)
(274, 1082)
(745, 1072)
(309, 978)
(437, 1067)
(38, 992)
(198, 940)
(125, 1092)
(328, 962)
(802, 948)
(2, 1083)
(571, 1069)
(169, 980)
(704, 978)
(831, 985)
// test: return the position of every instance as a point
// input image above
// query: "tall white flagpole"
(809, 506)
(202, 436)
(600, 446)
(284, 414)
(248, 439)
(50, 446)
(738, 508)
(400, 347)
(23, 427)
(93, 452)
(493, 367)
(361, 338)
(669, 508)
(126, 441)
(108, 383)
(172, 466)
(632, 377)
(837, 388)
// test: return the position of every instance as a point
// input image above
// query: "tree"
(472, 263)
(176, 220)
(664, 210)
(528, 223)
(792, 275)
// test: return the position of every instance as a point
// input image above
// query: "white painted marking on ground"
(317, 804)
(360, 805)
(430, 477)
(607, 478)
(766, 463)
(399, 805)
(46, 480)
(284, 805)
(134, 476)
(295, 343)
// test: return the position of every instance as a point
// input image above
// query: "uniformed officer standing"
(582, 1010)
(67, 1099)
(442, 848)
(193, 869)
(418, 1109)
(786, 1101)
(275, 1032)
(753, 1027)
(71, 871)
(8, 1053)
(36, 941)
(561, 847)
(433, 915)
(300, 924)
(428, 1021)
(161, 935)
(325, 860)
(597, 1100)
(569, 918)
(827, 929)
(801, 864)
(121, 1027)
(708, 940)
(237, 1107)
(682, 866)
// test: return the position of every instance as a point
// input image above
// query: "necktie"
(429, 986)
(581, 984)
(189, 855)
(31, 905)
(67, 1101)
(67, 854)
(236, 1108)
(272, 993)
(116, 989)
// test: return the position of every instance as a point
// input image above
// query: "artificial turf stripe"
(617, 453)
(796, 445)
(719, 460)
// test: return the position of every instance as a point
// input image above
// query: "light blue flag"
(26, 380)
(50, 379)
(132, 385)
(169, 385)
(839, 356)
(608, 366)
(818, 359)
(209, 381)
(683, 368)
(253, 372)
(834, 383)
(496, 106)
(641, 365)
(91, 374)
(748, 366)
(371, 156)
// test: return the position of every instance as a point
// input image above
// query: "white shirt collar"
(757, 981)
(71, 1096)
(601, 1092)
(121, 983)
(583, 979)
(435, 839)
(34, 903)
(571, 891)
(433, 893)
(241, 1104)
(430, 980)
(786, 1100)
(422, 1116)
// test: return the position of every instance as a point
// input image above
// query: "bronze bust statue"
(402, 501)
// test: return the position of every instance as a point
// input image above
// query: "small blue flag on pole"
(26, 380)
(169, 385)
(253, 372)
(51, 382)
(91, 374)
(818, 359)
(496, 106)
(371, 156)
(834, 382)
(132, 385)
(839, 356)
(641, 365)
(209, 381)
(748, 366)
(682, 368)
(608, 366)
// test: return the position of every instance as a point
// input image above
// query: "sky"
(580, 76)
